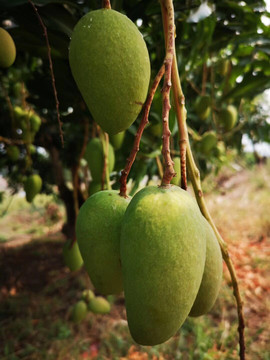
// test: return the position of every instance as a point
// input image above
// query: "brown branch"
(194, 87)
(143, 123)
(168, 11)
(11, 141)
(51, 70)
(76, 169)
(106, 4)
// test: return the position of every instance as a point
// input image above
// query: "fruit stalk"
(51, 71)
(106, 4)
(143, 123)
(180, 108)
(169, 172)
(196, 184)
(105, 173)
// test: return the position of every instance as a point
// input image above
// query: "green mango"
(72, 256)
(35, 122)
(32, 186)
(228, 117)
(208, 142)
(110, 64)
(212, 276)
(177, 168)
(79, 311)
(117, 140)
(203, 106)
(162, 252)
(98, 230)
(13, 153)
(7, 49)
(99, 305)
(94, 156)
(87, 295)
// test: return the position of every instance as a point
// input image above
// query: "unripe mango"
(110, 64)
(35, 122)
(212, 276)
(202, 106)
(228, 117)
(208, 142)
(99, 305)
(162, 251)
(13, 153)
(94, 156)
(117, 140)
(87, 295)
(7, 49)
(72, 256)
(177, 168)
(98, 230)
(32, 186)
(79, 311)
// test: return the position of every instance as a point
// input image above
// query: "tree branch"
(51, 70)
(143, 123)
(105, 173)
(106, 4)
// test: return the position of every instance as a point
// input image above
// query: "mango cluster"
(89, 302)
(159, 249)
(28, 121)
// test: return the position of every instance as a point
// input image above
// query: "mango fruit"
(79, 311)
(162, 252)
(110, 64)
(227, 118)
(94, 156)
(203, 106)
(117, 140)
(98, 230)
(177, 168)
(212, 276)
(208, 142)
(32, 186)
(72, 256)
(87, 295)
(99, 305)
(13, 153)
(7, 49)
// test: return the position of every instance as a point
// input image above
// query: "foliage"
(208, 34)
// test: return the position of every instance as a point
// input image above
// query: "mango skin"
(117, 140)
(212, 276)
(99, 305)
(110, 64)
(72, 256)
(162, 251)
(32, 186)
(98, 229)
(13, 153)
(95, 158)
(7, 49)
(79, 311)
(208, 142)
(228, 117)
(177, 168)
(202, 106)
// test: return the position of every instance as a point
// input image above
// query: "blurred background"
(223, 51)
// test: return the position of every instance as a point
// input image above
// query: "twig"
(11, 141)
(160, 168)
(196, 184)
(106, 4)
(179, 101)
(143, 123)
(51, 70)
(204, 78)
(169, 173)
(194, 87)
